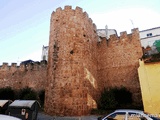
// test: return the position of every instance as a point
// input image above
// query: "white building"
(149, 36)
(45, 52)
(106, 32)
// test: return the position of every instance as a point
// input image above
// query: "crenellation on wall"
(79, 10)
(17, 77)
(79, 66)
(135, 35)
(13, 67)
(22, 67)
(113, 37)
(53, 12)
(123, 40)
(95, 27)
(67, 8)
(135, 31)
(85, 14)
(5, 66)
(90, 21)
(13, 64)
(123, 36)
(58, 10)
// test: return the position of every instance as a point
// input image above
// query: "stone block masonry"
(29, 75)
(72, 64)
(118, 61)
(80, 67)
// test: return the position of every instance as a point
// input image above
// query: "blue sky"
(24, 24)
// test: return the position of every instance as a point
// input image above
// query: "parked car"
(7, 117)
(128, 114)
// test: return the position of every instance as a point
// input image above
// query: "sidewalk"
(43, 116)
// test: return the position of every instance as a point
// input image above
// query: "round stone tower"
(72, 64)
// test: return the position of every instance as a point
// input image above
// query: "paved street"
(42, 116)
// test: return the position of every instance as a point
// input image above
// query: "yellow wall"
(149, 76)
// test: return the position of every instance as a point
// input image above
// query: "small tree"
(7, 93)
(107, 100)
(114, 98)
(27, 94)
(122, 96)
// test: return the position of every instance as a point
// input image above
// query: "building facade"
(149, 36)
(149, 74)
(106, 32)
(45, 53)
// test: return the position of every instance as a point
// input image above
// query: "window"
(117, 116)
(149, 34)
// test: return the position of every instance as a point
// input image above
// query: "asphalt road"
(43, 116)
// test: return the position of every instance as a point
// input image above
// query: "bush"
(122, 95)
(23, 94)
(107, 100)
(41, 97)
(27, 94)
(115, 98)
(7, 93)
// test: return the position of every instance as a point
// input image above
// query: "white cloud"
(122, 19)
(35, 56)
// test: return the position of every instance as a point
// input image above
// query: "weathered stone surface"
(72, 65)
(79, 67)
(118, 61)
(17, 77)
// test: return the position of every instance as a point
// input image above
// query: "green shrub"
(7, 93)
(115, 98)
(107, 100)
(122, 95)
(27, 94)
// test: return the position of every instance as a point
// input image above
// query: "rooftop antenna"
(132, 22)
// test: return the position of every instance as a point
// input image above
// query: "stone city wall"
(72, 63)
(118, 61)
(30, 75)
(79, 66)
